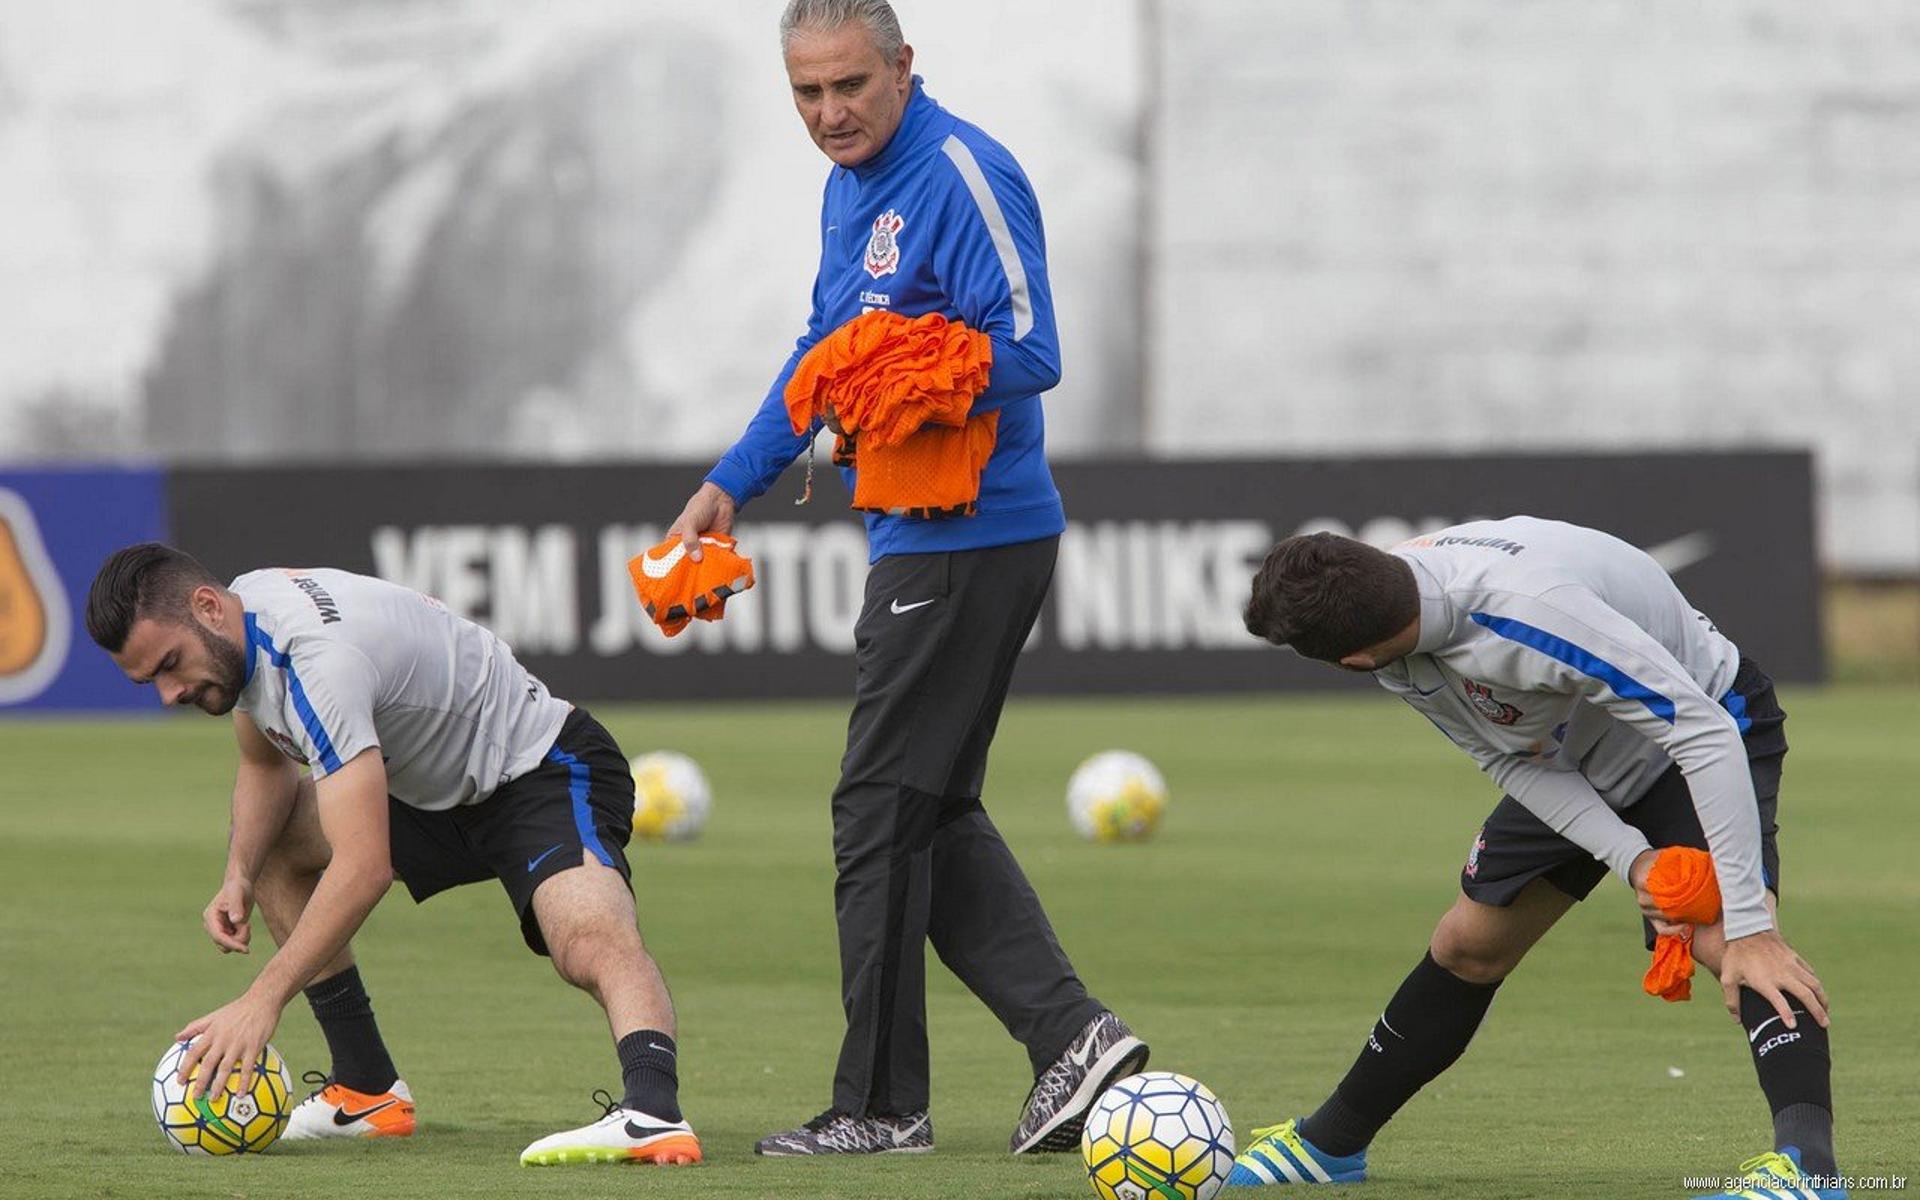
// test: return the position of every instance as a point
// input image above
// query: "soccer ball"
(1157, 1136)
(223, 1121)
(671, 798)
(1116, 796)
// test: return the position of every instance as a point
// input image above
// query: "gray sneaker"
(1057, 1107)
(834, 1132)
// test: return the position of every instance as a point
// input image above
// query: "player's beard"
(228, 665)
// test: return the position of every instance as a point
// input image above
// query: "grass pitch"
(1310, 846)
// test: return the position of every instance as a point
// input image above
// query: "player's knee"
(288, 860)
(584, 953)
(572, 955)
(1474, 959)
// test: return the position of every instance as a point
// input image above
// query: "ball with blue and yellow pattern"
(222, 1120)
(1157, 1136)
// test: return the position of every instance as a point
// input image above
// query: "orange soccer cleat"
(334, 1110)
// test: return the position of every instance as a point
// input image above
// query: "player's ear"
(208, 604)
(1360, 660)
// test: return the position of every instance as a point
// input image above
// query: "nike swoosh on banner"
(647, 1131)
(1677, 554)
(348, 1116)
(899, 608)
(660, 568)
(534, 862)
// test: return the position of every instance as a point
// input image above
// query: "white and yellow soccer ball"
(671, 797)
(1157, 1136)
(1116, 796)
(225, 1120)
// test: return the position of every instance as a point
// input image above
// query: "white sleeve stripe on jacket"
(1553, 646)
(989, 206)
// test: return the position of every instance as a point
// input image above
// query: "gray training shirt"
(1570, 667)
(338, 663)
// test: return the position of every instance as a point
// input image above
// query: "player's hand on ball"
(228, 1037)
(1765, 963)
(228, 915)
(710, 510)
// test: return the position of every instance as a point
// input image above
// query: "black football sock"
(649, 1066)
(1795, 1068)
(360, 1059)
(1425, 1029)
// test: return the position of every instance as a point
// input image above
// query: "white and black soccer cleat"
(835, 1132)
(1057, 1107)
(336, 1111)
(621, 1135)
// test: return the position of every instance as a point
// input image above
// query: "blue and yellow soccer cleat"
(1776, 1176)
(1279, 1154)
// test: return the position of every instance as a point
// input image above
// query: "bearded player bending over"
(1617, 719)
(436, 759)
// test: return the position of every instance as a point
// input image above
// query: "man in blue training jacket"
(925, 213)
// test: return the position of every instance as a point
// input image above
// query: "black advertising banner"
(1153, 570)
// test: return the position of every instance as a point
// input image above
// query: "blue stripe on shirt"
(1736, 704)
(1588, 663)
(316, 732)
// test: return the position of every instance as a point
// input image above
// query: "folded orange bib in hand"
(903, 388)
(674, 589)
(1683, 885)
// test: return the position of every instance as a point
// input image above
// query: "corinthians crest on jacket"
(883, 247)
(1497, 711)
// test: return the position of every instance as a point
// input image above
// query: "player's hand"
(1655, 915)
(710, 510)
(229, 1037)
(1764, 962)
(228, 916)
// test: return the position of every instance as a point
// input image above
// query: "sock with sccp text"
(1796, 1073)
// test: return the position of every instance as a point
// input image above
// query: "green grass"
(1310, 846)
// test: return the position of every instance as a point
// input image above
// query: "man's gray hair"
(823, 15)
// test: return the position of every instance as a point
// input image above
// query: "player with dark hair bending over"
(436, 759)
(1618, 720)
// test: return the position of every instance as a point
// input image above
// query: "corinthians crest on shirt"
(287, 745)
(1497, 711)
(883, 245)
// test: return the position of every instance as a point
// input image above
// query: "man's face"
(187, 662)
(850, 97)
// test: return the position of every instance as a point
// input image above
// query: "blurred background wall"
(252, 230)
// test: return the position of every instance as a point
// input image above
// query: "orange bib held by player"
(903, 389)
(1682, 883)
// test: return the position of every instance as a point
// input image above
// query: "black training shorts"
(579, 800)
(1514, 847)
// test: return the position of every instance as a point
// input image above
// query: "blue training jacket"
(941, 220)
